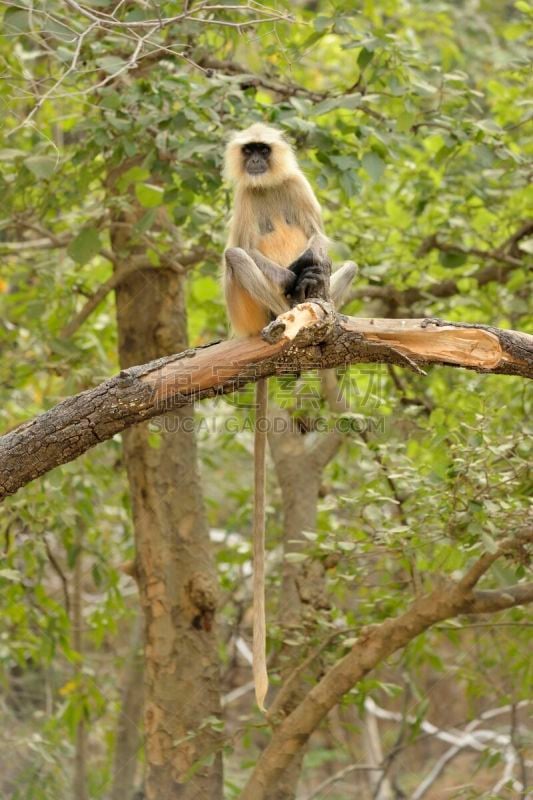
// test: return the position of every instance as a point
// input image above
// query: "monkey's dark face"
(256, 157)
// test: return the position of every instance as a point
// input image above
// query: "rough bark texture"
(299, 467)
(303, 593)
(174, 568)
(304, 338)
(300, 459)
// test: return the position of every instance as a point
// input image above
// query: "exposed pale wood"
(472, 347)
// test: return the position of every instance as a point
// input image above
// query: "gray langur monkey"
(276, 257)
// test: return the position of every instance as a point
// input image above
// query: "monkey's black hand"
(312, 278)
(303, 262)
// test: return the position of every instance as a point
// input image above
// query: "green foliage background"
(413, 120)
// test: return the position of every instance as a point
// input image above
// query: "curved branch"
(504, 260)
(282, 88)
(179, 264)
(488, 602)
(374, 644)
(307, 337)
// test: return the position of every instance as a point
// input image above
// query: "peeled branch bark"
(309, 336)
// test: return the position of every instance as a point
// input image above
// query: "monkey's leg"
(279, 276)
(341, 281)
(263, 280)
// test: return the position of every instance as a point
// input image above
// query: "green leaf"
(346, 547)
(344, 25)
(326, 105)
(130, 148)
(154, 440)
(490, 545)
(132, 175)
(295, 558)
(111, 99)
(85, 246)
(314, 37)
(364, 58)
(423, 88)
(110, 64)
(518, 279)
(350, 183)
(11, 153)
(523, 6)
(16, 20)
(10, 575)
(345, 162)
(452, 260)
(148, 195)
(438, 417)
(41, 166)
(404, 120)
(351, 100)
(374, 166)
(146, 221)
(323, 23)
(300, 104)
(488, 126)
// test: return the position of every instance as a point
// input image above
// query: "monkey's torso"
(278, 222)
(279, 234)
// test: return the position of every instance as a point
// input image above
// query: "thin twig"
(57, 84)
(338, 776)
(59, 572)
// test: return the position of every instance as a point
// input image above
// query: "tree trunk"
(303, 590)
(174, 566)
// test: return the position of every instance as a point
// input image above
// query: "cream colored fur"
(275, 213)
(283, 162)
(276, 216)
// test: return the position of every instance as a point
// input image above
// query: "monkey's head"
(259, 157)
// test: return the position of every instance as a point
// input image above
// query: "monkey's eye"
(247, 150)
(265, 150)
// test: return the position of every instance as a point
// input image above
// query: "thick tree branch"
(510, 244)
(489, 602)
(177, 263)
(435, 243)
(374, 644)
(307, 337)
(503, 260)
(283, 88)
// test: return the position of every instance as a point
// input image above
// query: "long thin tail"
(259, 617)
(341, 281)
